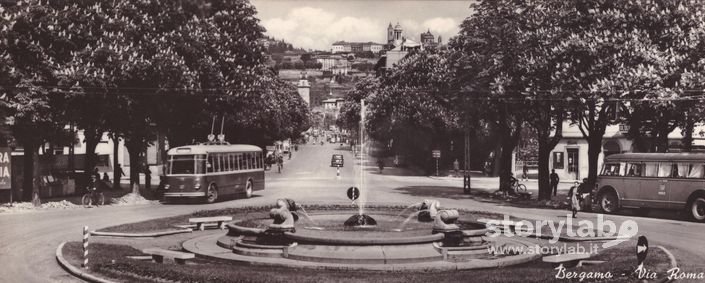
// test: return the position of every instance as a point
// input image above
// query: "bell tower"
(390, 33)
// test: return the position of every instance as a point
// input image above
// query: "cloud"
(314, 28)
(442, 25)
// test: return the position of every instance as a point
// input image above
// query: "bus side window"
(697, 171)
(231, 159)
(216, 163)
(650, 169)
(665, 170)
(209, 164)
(634, 170)
(682, 169)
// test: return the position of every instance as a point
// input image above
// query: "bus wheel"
(212, 194)
(609, 202)
(248, 189)
(697, 208)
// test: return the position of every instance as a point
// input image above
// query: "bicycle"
(516, 188)
(92, 196)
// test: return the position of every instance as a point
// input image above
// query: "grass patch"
(111, 261)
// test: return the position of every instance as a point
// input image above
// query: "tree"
(624, 51)
(30, 47)
(490, 43)
(412, 109)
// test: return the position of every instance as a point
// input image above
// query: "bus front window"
(182, 164)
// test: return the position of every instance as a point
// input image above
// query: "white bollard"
(337, 172)
(85, 246)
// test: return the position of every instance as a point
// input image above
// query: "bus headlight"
(197, 187)
(166, 186)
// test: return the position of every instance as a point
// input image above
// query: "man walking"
(554, 181)
(456, 167)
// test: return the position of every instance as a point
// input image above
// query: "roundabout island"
(346, 243)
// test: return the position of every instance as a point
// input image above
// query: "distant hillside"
(275, 46)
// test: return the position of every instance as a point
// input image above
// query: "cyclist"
(93, 191)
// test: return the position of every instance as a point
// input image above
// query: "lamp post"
(466, 164)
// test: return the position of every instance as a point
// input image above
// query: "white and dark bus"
(672, 181)
(209, 172)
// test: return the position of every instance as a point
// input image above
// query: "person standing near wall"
(554, 181)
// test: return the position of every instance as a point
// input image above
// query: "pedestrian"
(577, 196)
(96, 173)
(456, 167)
(574, 202)
(289, 154)
(106, 179)
(525, 173)
(280, 163)
(554, 181)
(380, 164)
(147, 177)
(120, 172)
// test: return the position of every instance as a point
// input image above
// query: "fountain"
(280, 237)
(437, 239)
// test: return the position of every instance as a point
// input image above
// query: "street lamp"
(466, 164)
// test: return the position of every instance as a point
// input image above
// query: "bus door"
(653, 191)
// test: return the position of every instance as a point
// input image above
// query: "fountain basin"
(319, 239)
(329, 231)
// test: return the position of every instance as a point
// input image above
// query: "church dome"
(397, 27)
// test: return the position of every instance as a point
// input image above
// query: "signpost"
(353, 193)
(642, 248)
(436, 155)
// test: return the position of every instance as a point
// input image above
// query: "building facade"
(570, 156)
(356, 47)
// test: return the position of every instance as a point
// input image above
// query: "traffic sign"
(436, 153)
(353, 193)
(642, 248)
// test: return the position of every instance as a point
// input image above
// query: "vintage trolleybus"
(210, 171)
(653, 180)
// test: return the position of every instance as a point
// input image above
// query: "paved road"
(29, 240)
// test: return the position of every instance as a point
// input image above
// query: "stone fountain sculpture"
(428, 210)
(444, 222)
(284, 216)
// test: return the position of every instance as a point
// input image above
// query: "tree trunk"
(687, 133)
(594, 150)
(28, 184)
(134, 150)
(544, 175)
(116, 164)
(92, 137)
(509, 143)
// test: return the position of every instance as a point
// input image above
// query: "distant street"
(30, 239)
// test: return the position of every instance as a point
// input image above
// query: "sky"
(316, 24)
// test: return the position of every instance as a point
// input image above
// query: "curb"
(222, 256)
(75, 271)
(139, 235)
(674, 263)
